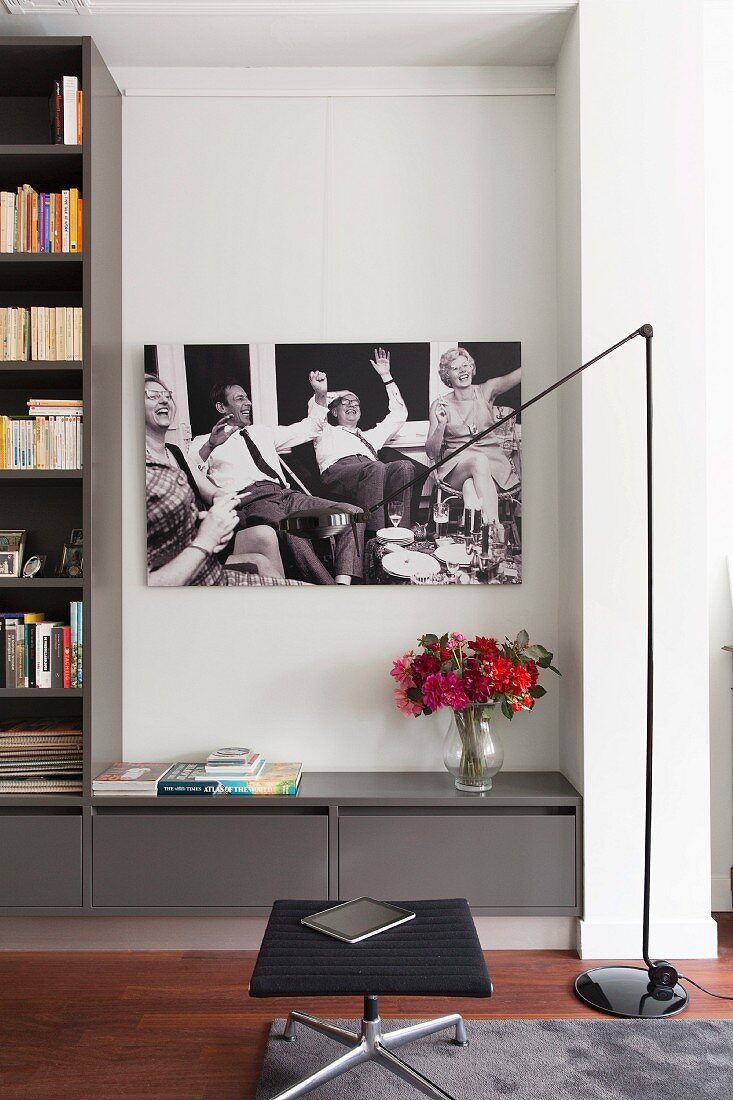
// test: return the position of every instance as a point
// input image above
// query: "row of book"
(29, 333)
(66, 110)
(41, 221)
(48, 438)
(40, 654)
(192, 778)
(40, 756)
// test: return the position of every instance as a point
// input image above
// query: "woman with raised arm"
(457, 418)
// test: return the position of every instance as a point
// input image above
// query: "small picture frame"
(13, 542)
(76, 538)
(34, 566)
(9, 563)
(72, 561)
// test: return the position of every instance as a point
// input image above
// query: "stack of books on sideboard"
(227, 772)
(49, 438)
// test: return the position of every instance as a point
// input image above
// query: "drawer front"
(222, 859)
(40, 859)
(505, 861)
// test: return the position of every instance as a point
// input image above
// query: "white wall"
(332, 219)
(719, 248)
(642, 260)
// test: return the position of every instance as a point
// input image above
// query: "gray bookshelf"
(44, 839)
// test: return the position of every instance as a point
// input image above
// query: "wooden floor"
(180, 1026)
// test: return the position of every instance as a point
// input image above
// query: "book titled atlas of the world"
(272, 779)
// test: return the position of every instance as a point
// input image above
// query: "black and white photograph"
(238, 437)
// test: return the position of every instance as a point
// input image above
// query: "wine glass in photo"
(440, 517)
(395, 511)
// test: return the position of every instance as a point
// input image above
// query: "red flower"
(454, 695)
(487, 647)
(476, 685)
(445, 654)
(515, 706)
(502, 672)
(522, 680)
(528, 701)
(432, 691)
(422, 666)
(533, 672)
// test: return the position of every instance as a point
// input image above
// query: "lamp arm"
(644, 330)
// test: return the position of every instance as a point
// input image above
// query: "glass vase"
(472, 751)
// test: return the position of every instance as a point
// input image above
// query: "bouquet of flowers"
(449, 671)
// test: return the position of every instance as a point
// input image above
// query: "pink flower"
(401, 671)
(457, 637)
(408, 708)
(432, 691)
(454, 695)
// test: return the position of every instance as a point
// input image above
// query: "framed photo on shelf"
(72, 561)
(34, 566)
(12, 542)
(9, 563)
(76, 538)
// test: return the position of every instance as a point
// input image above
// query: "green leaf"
(506, 710)
(428, 639)
(537, 691)
(522, 639)
(534, 651)
(555, 670)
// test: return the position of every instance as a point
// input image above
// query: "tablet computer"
(358, 919)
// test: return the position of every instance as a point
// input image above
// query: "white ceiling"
(243, 33)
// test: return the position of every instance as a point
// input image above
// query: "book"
(69, 89)
(129, 777)
(245, 763)
(55, 110)
(232, 773)
(274, 779)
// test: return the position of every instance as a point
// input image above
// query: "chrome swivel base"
(371, 1045)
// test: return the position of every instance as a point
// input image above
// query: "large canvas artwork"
(240, 435)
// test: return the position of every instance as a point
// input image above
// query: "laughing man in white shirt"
(349, 458)
(243, 457)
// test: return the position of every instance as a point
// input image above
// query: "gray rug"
(529, 1060)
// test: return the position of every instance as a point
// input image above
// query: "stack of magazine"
(40, 756)
(231, 771)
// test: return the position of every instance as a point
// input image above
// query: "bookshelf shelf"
(55, 151)
(41, 582)
(41, 257)
(41, 693)
(36, 475)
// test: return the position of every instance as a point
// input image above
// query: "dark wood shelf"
(20, 150)
(31, 365)
(40, 257)
(41, 582)
(35, 475)
(44, 693)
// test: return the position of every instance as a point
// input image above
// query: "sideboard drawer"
(199, 859)
(510, 860)
(40, 859)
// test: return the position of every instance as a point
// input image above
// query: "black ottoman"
(435, 955)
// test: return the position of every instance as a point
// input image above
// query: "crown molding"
(274, 8)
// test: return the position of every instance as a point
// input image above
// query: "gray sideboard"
(400, 835)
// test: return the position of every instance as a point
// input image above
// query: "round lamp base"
(627, 991)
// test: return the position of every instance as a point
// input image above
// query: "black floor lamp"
(630, 991)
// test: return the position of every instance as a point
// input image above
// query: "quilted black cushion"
(435, 955)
